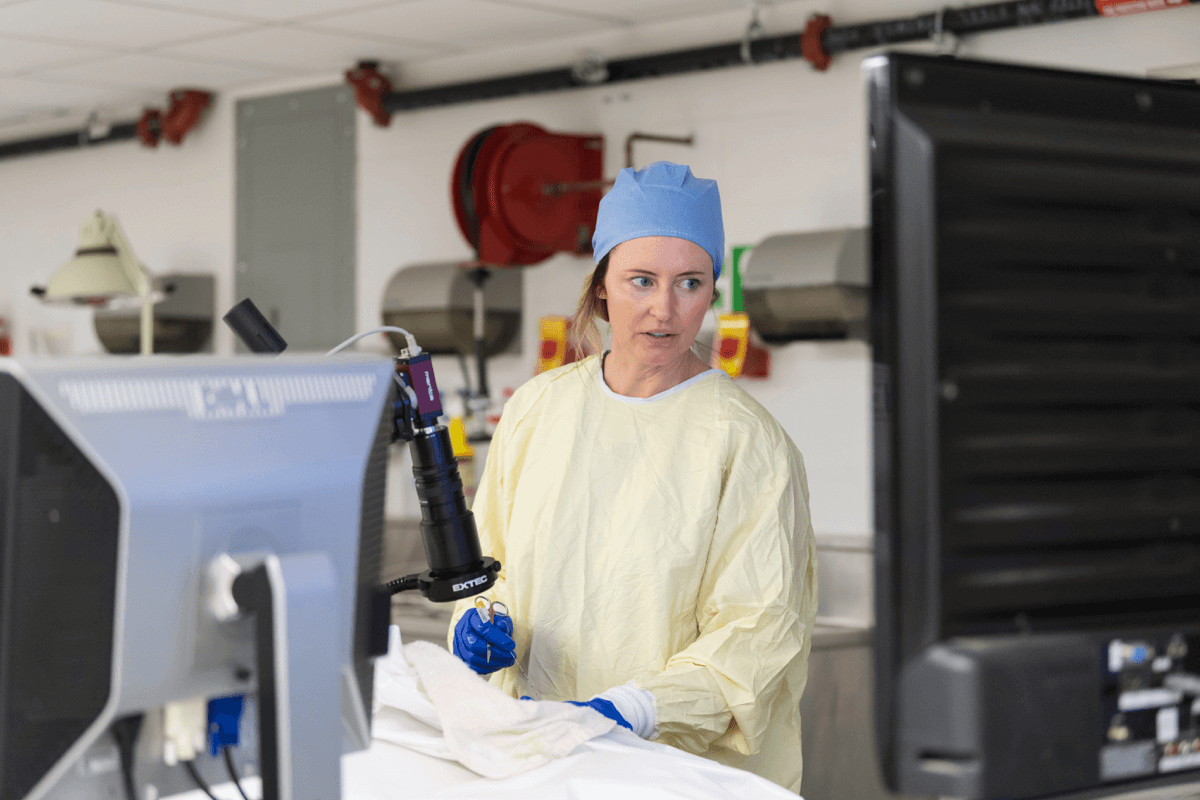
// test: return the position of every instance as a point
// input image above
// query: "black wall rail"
(119, 132)
(818, 43)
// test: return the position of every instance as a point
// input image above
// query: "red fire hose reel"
(522, 194)
(184, 112)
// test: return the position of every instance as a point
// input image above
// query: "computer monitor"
(1036, 334)
(122, 482)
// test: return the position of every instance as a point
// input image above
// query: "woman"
(651, 517)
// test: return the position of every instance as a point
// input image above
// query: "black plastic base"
(447, 588)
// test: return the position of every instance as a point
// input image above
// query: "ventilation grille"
(1069, 352)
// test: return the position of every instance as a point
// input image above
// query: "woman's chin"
(654, 351)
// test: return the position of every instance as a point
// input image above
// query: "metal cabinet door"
(295, 248)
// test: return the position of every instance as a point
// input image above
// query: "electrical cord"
(413, 347)
(229, 765)
(190, 766)
(125, 734)
(406, 584)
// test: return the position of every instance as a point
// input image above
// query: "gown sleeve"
(490, 509)
(752, 615)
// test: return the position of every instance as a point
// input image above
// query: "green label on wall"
(735, 277)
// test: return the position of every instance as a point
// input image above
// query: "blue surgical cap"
(663, 199)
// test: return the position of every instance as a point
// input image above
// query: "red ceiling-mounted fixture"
(187, 106)
(522, 194)
(149, 127)
(811, 46)
(370, 87)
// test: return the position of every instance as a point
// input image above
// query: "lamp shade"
(96, 273)
(90, 275)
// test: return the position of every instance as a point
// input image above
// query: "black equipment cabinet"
(1036, 334)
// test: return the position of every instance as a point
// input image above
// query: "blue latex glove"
(604, 707)
(485, 646)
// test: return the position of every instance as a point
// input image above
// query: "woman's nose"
(662, 305)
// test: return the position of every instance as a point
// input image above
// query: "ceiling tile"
(266, 10)
(105, 24)
(458, 22)
(143, 71)
(300, 49)
(27, 93)
(22, 55)
(635, 11)
(15, 115)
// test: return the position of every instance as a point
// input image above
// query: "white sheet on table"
(615, 764)
(460, 716)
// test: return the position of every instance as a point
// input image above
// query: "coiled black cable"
(406, 584)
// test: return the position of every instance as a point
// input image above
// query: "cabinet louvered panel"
(1036, 337)
(1069, 360)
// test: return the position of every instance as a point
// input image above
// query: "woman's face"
(657, 288)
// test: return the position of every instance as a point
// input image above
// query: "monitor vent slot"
(1069, 361)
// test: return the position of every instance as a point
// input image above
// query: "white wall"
(174, 204)
(785, 143)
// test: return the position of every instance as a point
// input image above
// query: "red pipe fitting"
(149, 127)
(810, 42)
(186, 107)
(370, 87)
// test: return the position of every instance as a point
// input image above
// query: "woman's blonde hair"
(584, 334)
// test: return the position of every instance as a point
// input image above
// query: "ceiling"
(61, 59)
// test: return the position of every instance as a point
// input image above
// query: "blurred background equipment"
(183, 320)
(736, 349)
(554, 345)
(104, 273)
(1036, 292)
(808, 285)
(436, 302)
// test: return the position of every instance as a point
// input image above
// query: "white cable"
(408, 390)
(413, 347)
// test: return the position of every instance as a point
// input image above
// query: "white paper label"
(1173, 763)
(1167, 724)
(1138, 699)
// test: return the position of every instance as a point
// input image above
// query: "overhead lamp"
(104, 273)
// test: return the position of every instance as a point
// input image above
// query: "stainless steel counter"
(837, 718)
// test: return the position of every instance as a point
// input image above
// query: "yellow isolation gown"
(665, 541)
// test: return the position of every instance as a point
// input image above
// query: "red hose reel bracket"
(522, 193)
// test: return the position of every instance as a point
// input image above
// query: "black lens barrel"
(447, 525)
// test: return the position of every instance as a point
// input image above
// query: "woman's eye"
(691, 284)
(641, 281)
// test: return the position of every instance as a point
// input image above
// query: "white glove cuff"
(636, 705)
